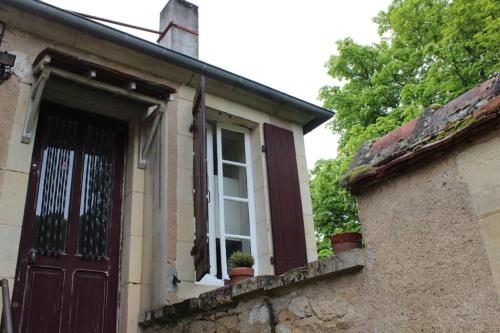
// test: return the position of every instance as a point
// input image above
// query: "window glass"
(95, 206)
(52, 208)
(54, 189)
(233, 146)
(236, 218)
(235, 181)
(232, 189)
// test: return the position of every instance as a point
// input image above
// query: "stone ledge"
(228, 296)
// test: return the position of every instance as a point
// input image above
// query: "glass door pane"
(235, 181)
(95, 204)
(233, 146)
(236, 218)
(54, 190)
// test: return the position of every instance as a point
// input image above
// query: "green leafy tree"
(430, 51)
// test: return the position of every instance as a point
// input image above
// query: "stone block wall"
(300, 300)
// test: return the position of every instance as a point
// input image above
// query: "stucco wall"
(479, 167)
(429, 270)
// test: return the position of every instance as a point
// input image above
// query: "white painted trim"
(222, 226)
(212, 247)
(243, 165)
(238, 199)
(210, 280)
(251, 203)
(238, 236)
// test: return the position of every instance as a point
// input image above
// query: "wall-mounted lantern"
(7, 60)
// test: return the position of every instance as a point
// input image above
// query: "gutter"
(58, 15)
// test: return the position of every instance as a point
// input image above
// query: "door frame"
(119, 182)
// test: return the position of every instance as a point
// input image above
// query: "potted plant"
(346, 238)
(240, 267)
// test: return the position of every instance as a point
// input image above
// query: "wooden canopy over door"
(67, 272)
(284, 195)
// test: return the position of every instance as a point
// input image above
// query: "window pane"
(236, 218)
(235, 181)
(54, 189)
(52, 209)
(233, 146)
(95, 206)
(233, 245)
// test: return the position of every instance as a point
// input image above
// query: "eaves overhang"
(54, 14)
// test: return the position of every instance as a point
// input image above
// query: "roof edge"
(435, 131)
(98, 30)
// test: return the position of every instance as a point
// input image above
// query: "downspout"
(165, 278)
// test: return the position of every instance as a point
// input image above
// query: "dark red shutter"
(200, 183)
(287, 221)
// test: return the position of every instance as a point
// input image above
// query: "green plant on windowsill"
(241, 259)
(350, 226)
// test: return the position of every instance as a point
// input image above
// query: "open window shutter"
(284, 195)
(200, 183)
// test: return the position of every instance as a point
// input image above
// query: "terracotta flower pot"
(238, 274)
(345, 242)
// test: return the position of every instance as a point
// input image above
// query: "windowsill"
(210, 280)
(351, 261)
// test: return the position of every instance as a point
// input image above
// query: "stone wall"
(427, 267)
(296, 301)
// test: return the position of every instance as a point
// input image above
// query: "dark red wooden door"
(287, 221)
(67, 271)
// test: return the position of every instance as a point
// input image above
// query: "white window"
(231, 225)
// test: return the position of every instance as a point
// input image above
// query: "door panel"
(67, 272)
(89, 300)
(43, 311)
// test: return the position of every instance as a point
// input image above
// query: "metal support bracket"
(149, 125)
(150, 120)
(34, 105)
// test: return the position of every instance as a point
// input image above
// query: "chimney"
(179, 27)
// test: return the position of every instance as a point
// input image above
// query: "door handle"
(31, 257)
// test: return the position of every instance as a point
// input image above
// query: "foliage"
(430, 51)
(241, 259)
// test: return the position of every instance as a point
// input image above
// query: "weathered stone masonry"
(263, 303)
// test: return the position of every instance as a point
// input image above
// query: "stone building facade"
(70, 66)
(428, 195)
(428, 198)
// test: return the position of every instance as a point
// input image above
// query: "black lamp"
(7, 60)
